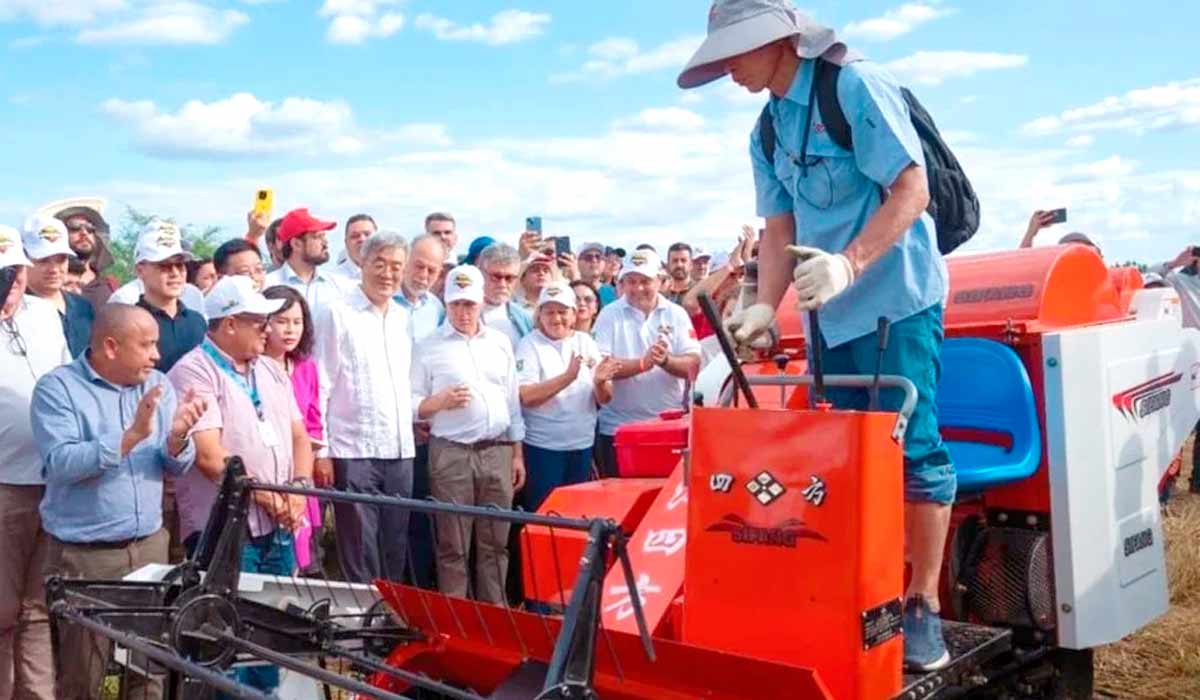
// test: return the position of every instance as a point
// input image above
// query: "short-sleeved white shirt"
(624, 332)
(568, 420)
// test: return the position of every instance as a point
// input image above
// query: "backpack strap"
(832, 115)
(766, 133)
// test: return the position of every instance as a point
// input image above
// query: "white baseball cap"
(44, 237)
(643, 262)
(160, 240)
(464, 283)
(235, 294)
(11, 252)
(557, 293)
(699, 253)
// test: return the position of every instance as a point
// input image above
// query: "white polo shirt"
(32, 345)
(484, 363)
(624, 332)
(568, 420)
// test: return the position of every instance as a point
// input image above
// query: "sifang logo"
(785, 534)
(1139, 541)
(1146, 398)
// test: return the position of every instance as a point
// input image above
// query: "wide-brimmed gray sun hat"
(738, 26)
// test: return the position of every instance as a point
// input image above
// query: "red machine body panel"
(797, 516)
(480, 645)
(651, 448)
(550, 560)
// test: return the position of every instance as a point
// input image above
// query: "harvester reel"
(190, 642)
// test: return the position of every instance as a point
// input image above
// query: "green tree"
(202, 241)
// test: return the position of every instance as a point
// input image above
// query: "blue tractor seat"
(987, 414)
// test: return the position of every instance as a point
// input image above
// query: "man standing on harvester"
(866, 248)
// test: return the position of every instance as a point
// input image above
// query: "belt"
(481, 444)
(119, 544)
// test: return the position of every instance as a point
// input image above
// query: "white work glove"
(820, 276)
(750, 322)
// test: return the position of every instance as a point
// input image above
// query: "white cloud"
(240, 125)
(1161, 107)
(935, 67)
(355, 21)
(419, 135)
(505, 27)
(1080, 141)
(663, 119)
(625, 185)
(617, 56)
(167, 23)
(28, 42)
(57, 12)
(895, 22)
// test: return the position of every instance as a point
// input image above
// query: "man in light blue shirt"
(425, 259)
(108, 426)
(866, 247)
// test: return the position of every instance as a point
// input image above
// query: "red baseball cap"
(298, 222)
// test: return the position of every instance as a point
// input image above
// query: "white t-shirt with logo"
(624, 332)
(568, 420)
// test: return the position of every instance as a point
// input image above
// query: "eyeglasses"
(81, 226)
(497, 277)
(167, 266)
(586, 299)
(16, 342)
(591, 257)
(259, 323)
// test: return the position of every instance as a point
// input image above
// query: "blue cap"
(476, 248)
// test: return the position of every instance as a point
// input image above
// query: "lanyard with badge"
(266, 431)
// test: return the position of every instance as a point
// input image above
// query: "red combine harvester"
(767, 542)
(754, 547)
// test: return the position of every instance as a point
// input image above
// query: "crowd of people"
(485, 379)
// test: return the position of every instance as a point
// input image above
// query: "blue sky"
(496, 111)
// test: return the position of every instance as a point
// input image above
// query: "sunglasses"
(502, 278)
(81, 226)
(259, 323)
(170, 266)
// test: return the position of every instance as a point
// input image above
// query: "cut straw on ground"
(1162, 661)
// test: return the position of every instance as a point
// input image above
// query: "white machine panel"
(1120, 400)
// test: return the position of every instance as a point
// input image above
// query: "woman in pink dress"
(289, 344)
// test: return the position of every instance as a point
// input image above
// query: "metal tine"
(533, 576)
(612, 652)
(452, 521)
(562, 600)
(471, 544)
(423, 593)
(124, 671)
(502, 577)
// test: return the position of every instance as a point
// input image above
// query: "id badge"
(267, 432)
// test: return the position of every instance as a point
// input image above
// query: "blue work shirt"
(176, 336)
(842, 190)
(93, 494)
(607, 294)
(77, 323)
(424, 316)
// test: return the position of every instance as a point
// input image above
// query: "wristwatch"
(301, 481)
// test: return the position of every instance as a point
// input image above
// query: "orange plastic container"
(795, 543)
(550, 560)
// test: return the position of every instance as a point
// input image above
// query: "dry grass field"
(1162, 661)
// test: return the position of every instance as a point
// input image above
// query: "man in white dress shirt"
(656, 347)
(363, 353)
(465, 383)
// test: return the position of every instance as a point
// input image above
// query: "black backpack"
(952, 201)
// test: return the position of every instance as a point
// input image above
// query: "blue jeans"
(913, 351)
(273, 553)
(546, 470)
